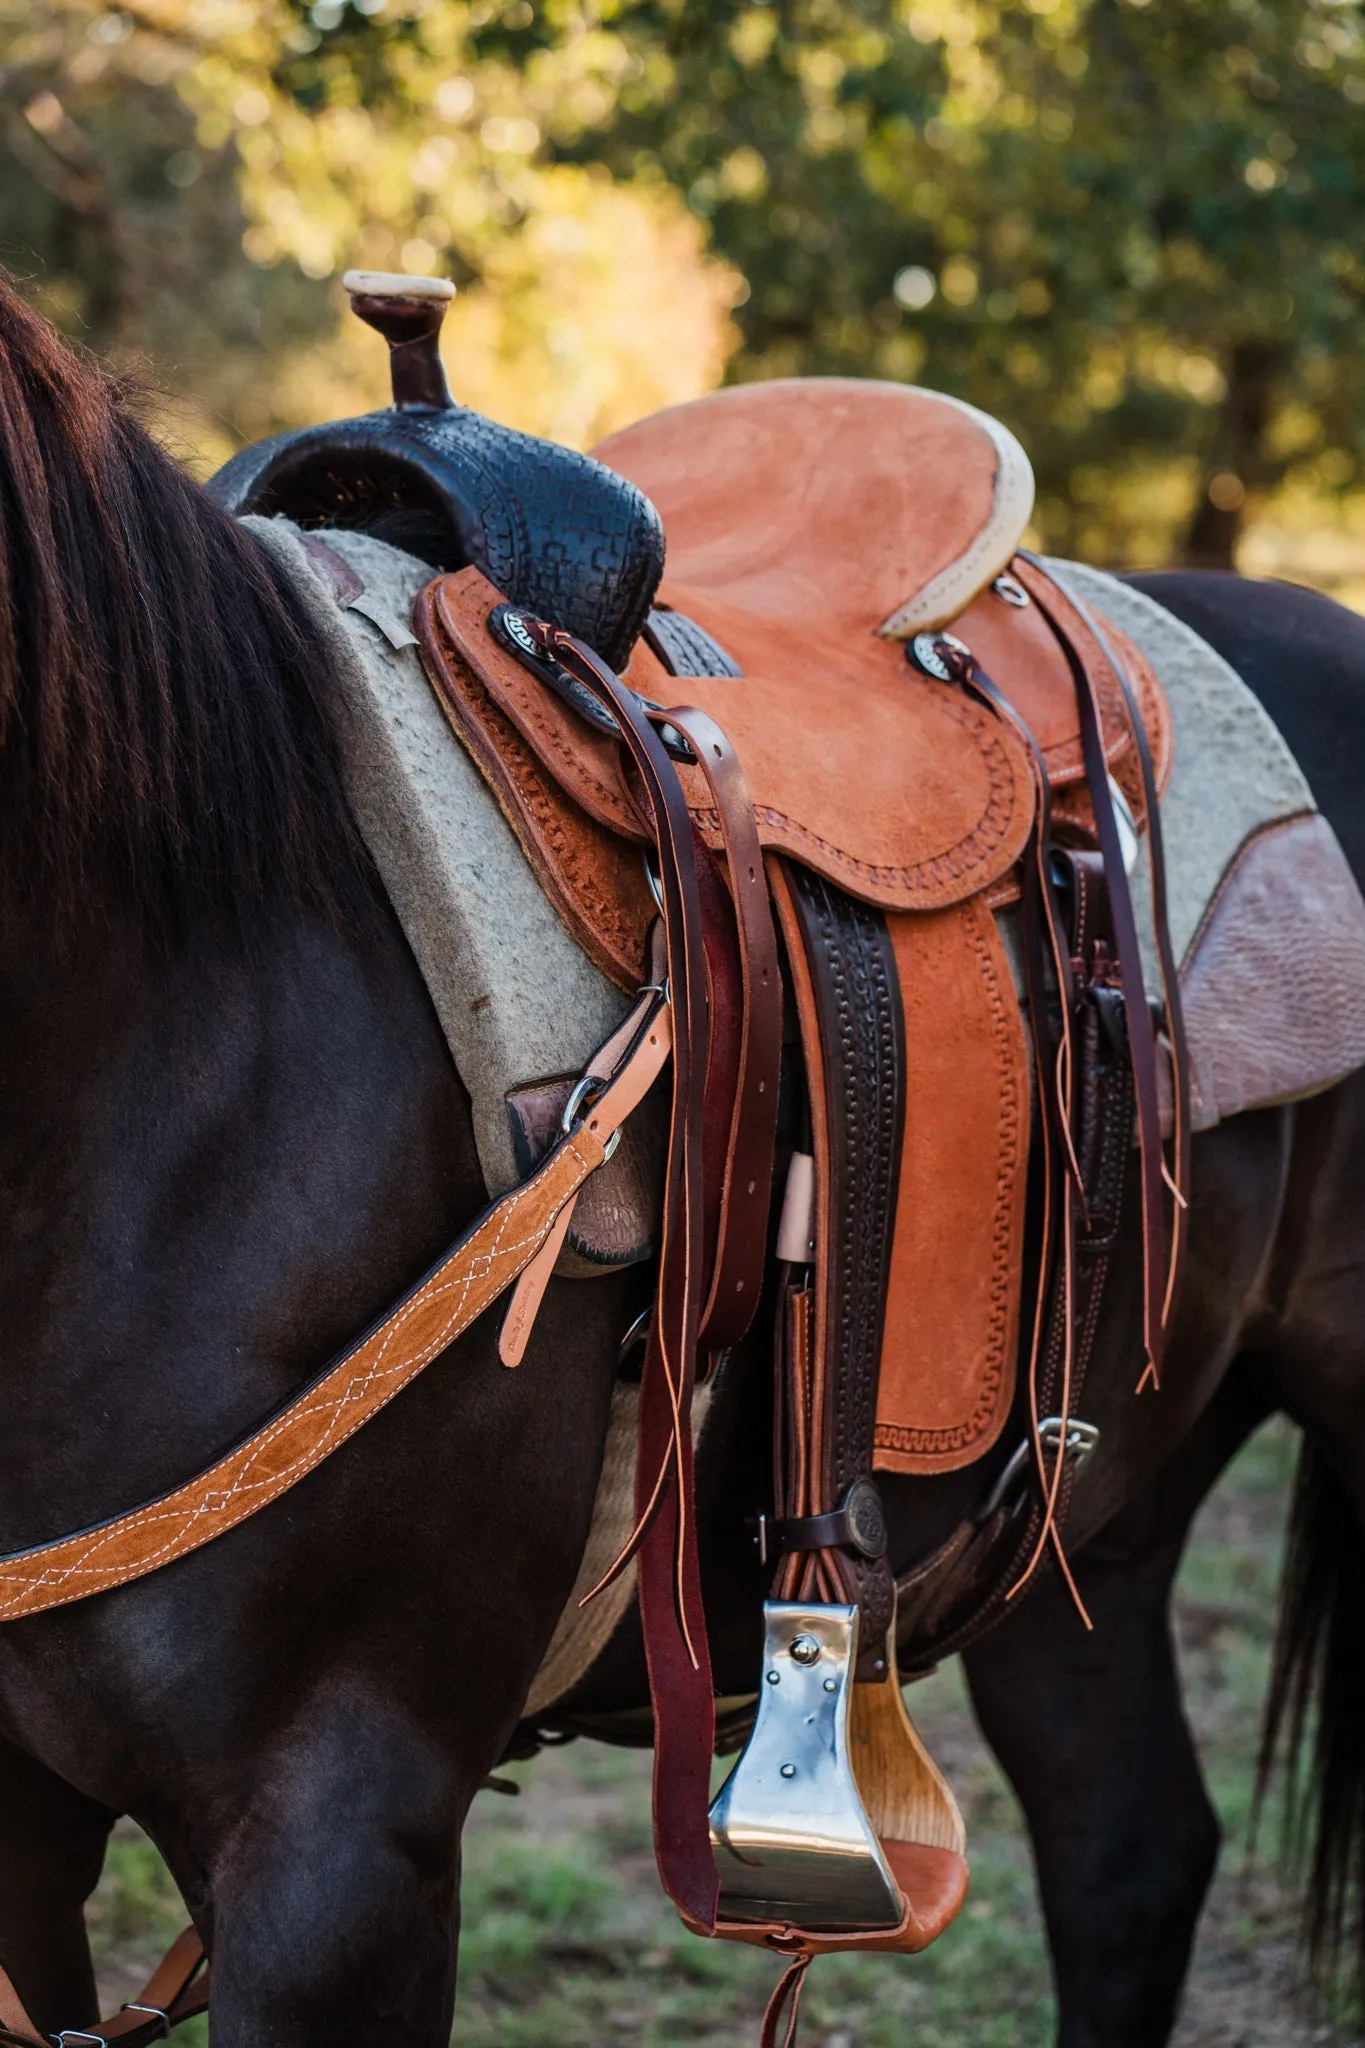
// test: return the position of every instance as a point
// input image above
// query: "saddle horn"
(408, 312)
(558, 533)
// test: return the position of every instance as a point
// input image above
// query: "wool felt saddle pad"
(518, 1000)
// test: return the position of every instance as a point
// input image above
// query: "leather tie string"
(786, 1997)
(1072, 623)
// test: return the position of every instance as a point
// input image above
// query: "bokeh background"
(1132, 228)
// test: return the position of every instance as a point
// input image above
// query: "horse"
(232, 1134)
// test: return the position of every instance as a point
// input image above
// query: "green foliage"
(183, 181)
(1130, 227)
(1132, 230)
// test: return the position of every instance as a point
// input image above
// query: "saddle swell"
(554, 530)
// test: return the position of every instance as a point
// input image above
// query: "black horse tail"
(1315, 1714)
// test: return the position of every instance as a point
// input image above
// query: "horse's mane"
(166, 723)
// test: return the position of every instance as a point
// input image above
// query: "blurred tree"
(182, 181)
(1130, 227)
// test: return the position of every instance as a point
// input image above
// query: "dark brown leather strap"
(949, 1599)
(786, 1999)
(742, 1234)
(669, 1574)
(1088, 653)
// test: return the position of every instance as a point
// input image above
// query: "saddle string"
(1160, 1252)
(1054, 1058)
(787, 1994)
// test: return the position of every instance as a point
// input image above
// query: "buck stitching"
(219, 1505)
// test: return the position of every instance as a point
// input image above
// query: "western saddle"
(865, 881)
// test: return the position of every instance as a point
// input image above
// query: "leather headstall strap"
(665, 1537)
(1089, 653)
(177, 1990)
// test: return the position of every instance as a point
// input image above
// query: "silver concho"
(514, 625)
(862, 1504)
(940, 655)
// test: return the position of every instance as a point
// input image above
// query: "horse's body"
(232, 1134)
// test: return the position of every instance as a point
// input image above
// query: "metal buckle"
(791, 1838)
(136, 2005)
(78, 2034)
(1081, 1439)
(583, 1092)
(638, 1333)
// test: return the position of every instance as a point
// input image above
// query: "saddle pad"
(516, 998)
(839, 503)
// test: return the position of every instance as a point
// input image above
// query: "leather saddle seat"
(812, 525)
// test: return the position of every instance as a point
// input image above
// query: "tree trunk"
(1237, 463)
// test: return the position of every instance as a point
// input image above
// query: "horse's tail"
(1315, 1713)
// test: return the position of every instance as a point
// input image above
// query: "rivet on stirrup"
(792, 1840)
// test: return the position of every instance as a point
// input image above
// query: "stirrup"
(832, 1784)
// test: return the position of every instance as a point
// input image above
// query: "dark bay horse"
(231, 1133)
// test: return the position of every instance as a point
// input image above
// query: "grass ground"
(568, 1940)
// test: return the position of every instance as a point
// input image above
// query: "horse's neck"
(216, 1164)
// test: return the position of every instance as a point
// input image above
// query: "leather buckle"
(583, 1092)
